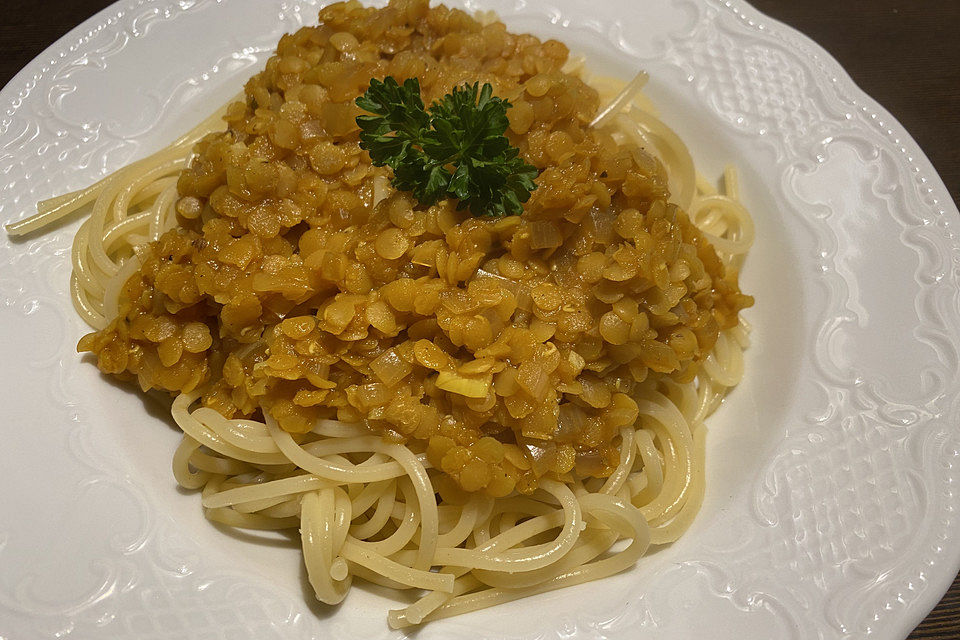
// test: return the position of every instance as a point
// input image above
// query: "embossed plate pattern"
(831, 509)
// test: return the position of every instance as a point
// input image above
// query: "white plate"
(831, 507)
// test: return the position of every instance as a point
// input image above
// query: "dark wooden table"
(904, 53)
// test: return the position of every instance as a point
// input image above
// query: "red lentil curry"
(299, 283)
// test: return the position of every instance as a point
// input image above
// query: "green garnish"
(455, 148)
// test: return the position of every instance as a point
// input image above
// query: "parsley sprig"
(456, 148)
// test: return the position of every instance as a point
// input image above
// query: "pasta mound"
(298, 282)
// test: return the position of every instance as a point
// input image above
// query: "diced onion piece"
(390, 367)
(521, 291)
(469, 387)
(381, 189)
(570, 421)
(542, 455)
(544, 235)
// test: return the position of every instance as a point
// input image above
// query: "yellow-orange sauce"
(297, 282)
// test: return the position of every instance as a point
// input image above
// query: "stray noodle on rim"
(478, 408)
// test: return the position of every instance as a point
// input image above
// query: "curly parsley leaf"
(456, 148)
